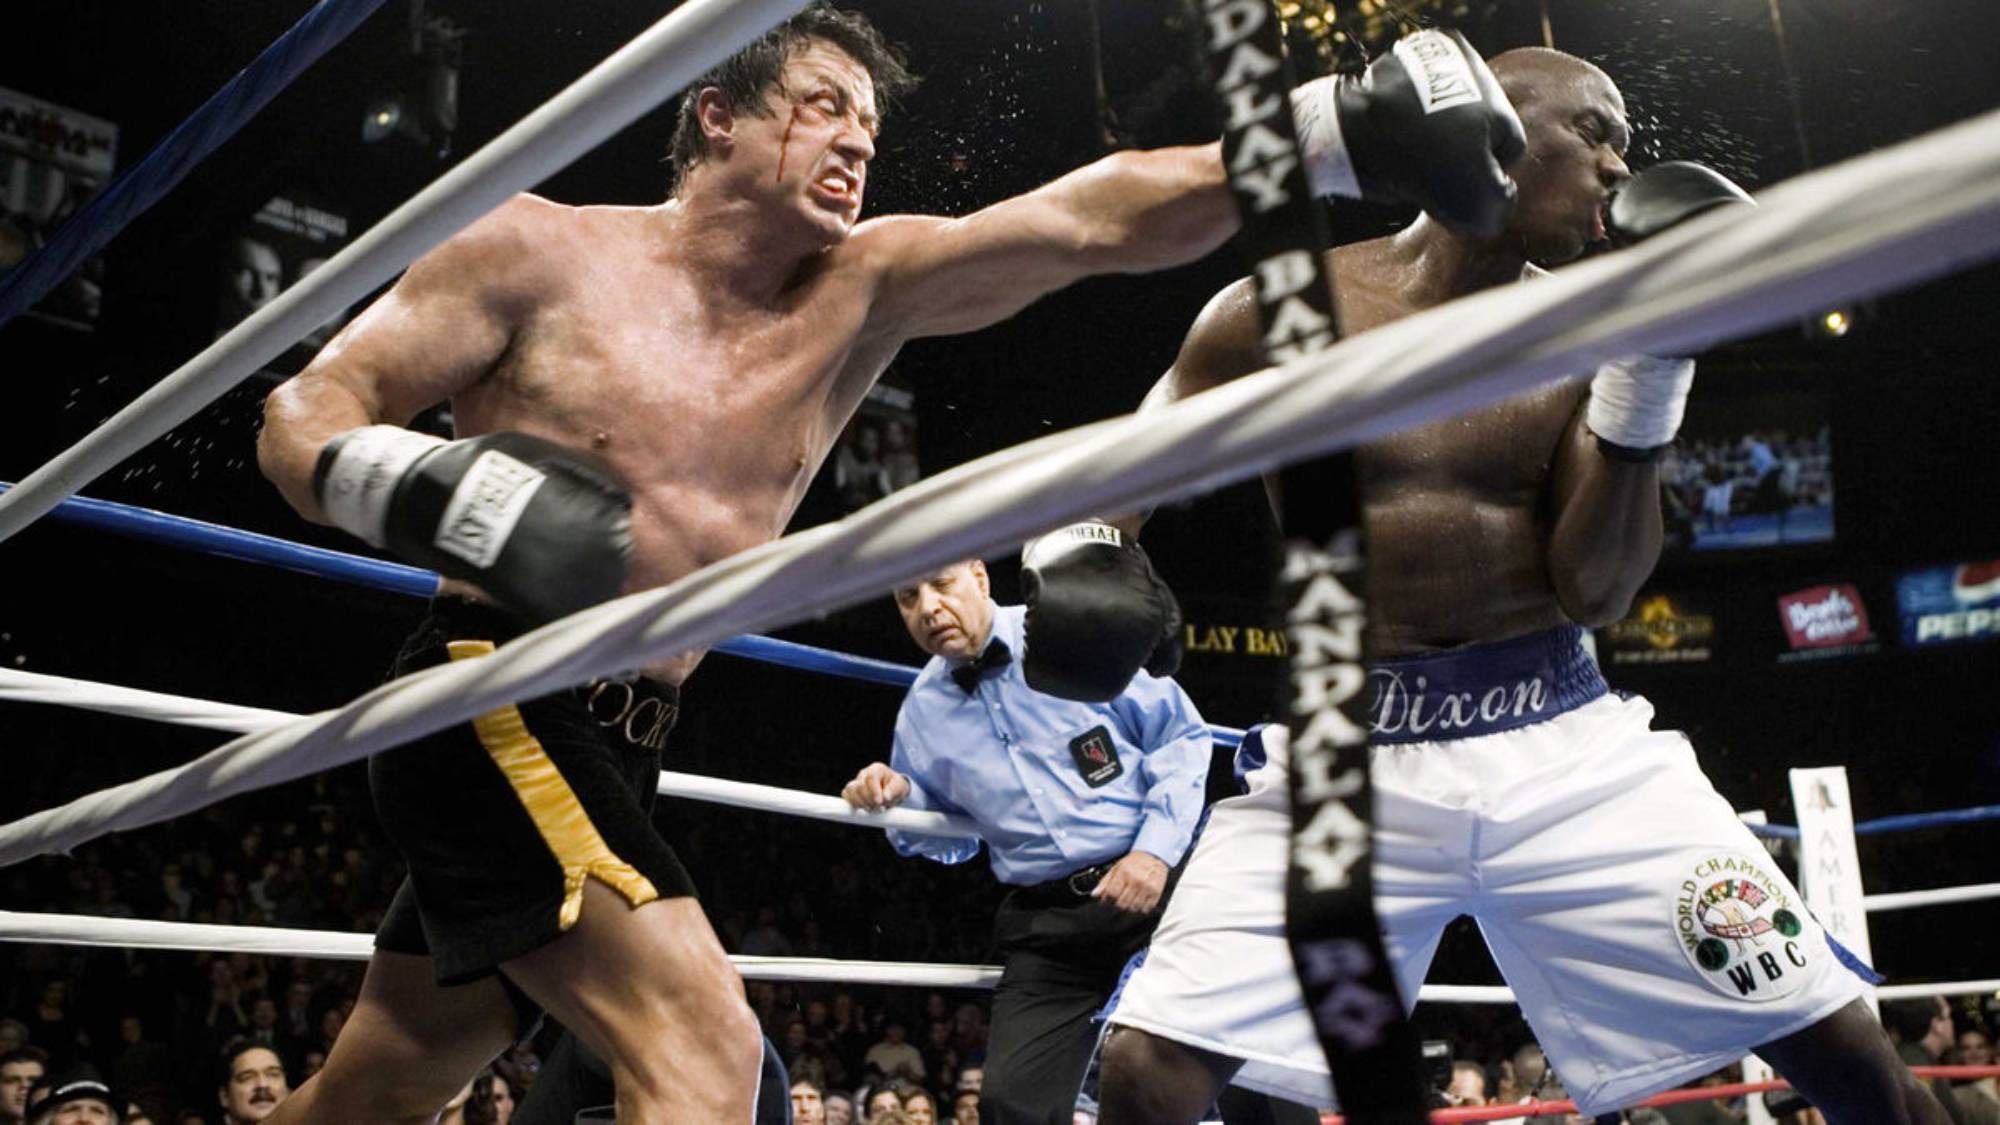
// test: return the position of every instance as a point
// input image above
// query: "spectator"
(141, 1065)
(263, 1029)
(858, 473)
(849, 1038)
(177, 897)
(808, 1102)
(765, 939)
(82, 1101)
(839, 1108)
(1922, 1030)
(965, 1108)
(884, 1100)
(52, 1028)
(330, 1023)
(20, 1069)
(13, 1034)
(895, 1058)
(1975, 1048)
(920, 1107)
(252, 1082)
(1468, 1084)
(899, 455)
(1087, 808)
(968, 1031)
(492, 1100)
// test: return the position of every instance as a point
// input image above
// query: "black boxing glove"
(1426, 124)
(1097, 613)
(544, 529)
(1667, 194)
(1636, 403)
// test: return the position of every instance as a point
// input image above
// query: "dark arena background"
(1880, 419)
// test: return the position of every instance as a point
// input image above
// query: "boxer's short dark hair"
(747, 76)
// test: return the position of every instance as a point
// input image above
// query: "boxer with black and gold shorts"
(504, 819)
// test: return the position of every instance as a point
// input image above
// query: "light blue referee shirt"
(1055, 785)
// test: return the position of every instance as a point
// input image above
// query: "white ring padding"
(35, 687)
(1904, 900)
(1858, 228)
(616, 92)
(141, 933)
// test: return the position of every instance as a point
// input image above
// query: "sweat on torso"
(714, 416)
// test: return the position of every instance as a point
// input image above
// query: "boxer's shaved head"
(1532, 74)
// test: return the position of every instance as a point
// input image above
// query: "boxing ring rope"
(618, 91)
(216, 120)
(142, 933)
(1536, 1107)
(398, 578)
(1914, 211)
(131, 933)
(35, 687)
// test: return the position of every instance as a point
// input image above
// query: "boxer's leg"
(650, 990)
(409, 1045)
(1152, 1080)
(1845, 1066)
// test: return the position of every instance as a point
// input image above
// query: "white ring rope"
(35, 687)
(653, 67)
(1868, 225)
(139, 933)
(1904, 900)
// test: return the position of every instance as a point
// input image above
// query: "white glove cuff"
(1638, 401)
(356, 487)
(1062, 541)
(1316, 116)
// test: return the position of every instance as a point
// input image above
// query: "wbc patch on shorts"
(1740, 929)
(1096, 757)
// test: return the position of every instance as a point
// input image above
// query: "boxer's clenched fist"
(875, 788)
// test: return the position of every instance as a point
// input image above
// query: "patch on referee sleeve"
(1740, 928)
(1096, 757)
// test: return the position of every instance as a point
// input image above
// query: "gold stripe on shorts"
(561, 819)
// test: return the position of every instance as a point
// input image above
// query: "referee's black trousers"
(1061, 953)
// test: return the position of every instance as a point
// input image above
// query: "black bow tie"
(996, 655)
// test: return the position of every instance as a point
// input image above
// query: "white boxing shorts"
(1647, 935)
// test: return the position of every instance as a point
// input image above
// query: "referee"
(1086, 809)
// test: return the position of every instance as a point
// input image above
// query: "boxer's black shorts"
(503, 819)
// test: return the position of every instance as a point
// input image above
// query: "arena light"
(1833, 324)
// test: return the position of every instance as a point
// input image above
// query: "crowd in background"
(152, 1024)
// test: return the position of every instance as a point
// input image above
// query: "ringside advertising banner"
(1951, 605)
(1943, 605)
(1661, 629)
(1824, 622)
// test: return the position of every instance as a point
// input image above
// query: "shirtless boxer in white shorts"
(1649, 937)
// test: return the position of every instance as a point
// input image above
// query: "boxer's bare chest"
(1458, 511)
(715, 414)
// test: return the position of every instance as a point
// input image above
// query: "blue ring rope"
(142, 185)
(397, 578)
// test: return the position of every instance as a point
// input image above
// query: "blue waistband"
(1481, 689)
